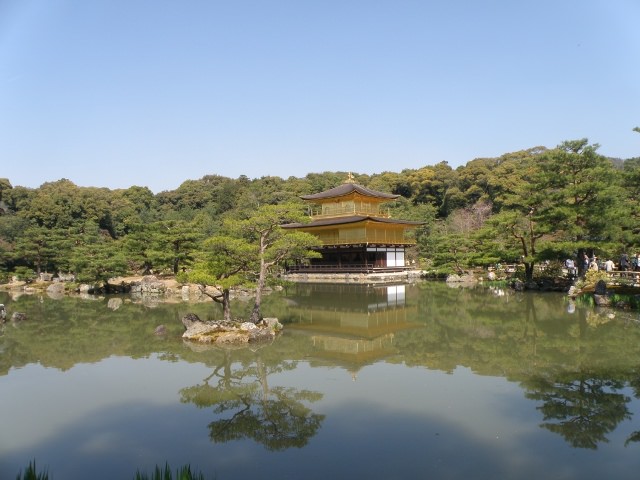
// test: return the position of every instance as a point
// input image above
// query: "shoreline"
(151, 285)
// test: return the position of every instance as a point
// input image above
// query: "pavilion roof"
(346, 189)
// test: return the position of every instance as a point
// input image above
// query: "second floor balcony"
(348, 209)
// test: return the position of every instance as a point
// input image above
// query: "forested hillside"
(527, 206)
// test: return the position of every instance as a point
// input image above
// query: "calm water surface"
(394, 382)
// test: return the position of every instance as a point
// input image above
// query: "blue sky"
(114, 93)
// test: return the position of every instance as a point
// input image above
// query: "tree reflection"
(276, 417)
(635, 384)
(582, 409)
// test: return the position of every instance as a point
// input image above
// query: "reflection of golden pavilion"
(351, 322)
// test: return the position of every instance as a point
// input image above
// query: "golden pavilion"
(357, 234)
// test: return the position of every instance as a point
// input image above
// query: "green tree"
(629, 219)
(18, 198)
(452, 243)
(248, 250)
(525, 206)
(491, 179)
(131, 208)
(38, 248)
(437, 185)
(221, 265)
(583, 195)
(172, 244)
(5, 186)
(274, 245)
(557, 202)
(97, 257)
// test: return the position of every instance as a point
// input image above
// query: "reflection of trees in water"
(531, 338)
(276, 417)
(62, 333)
(582, 409)
(635, 384)
(279, 421)
(528, 338)
(586, 404)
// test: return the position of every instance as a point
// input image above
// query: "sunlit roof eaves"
(323, 222)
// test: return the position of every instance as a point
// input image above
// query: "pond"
(376, 382)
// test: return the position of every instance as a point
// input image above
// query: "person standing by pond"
(624, 262)
(571, 267)
(609, 266)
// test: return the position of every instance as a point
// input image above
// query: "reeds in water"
(31, 473)
(182, 473)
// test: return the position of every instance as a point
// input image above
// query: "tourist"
(624, 262)
(570, 266)
(609, 266)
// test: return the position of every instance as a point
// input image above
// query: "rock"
(114, 303)
(185, 292)
(149, 285)
(601, 300)
(273, 324)
(3, 313)
(464, 279)
(210, 333)
(160, 330)
(518, 285)
(601, 288)
(66, 277)
(56, 290)
(229, 334)
(232, 338)
(260, 335)
(84, 288)
(189, 319)
(18, 317)
(532, 286)
(492, 277)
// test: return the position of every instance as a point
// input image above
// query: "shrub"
(592, 277)
(25, 274)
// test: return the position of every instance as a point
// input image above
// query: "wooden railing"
(625, 275)
(344, 268)
(347, 210)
